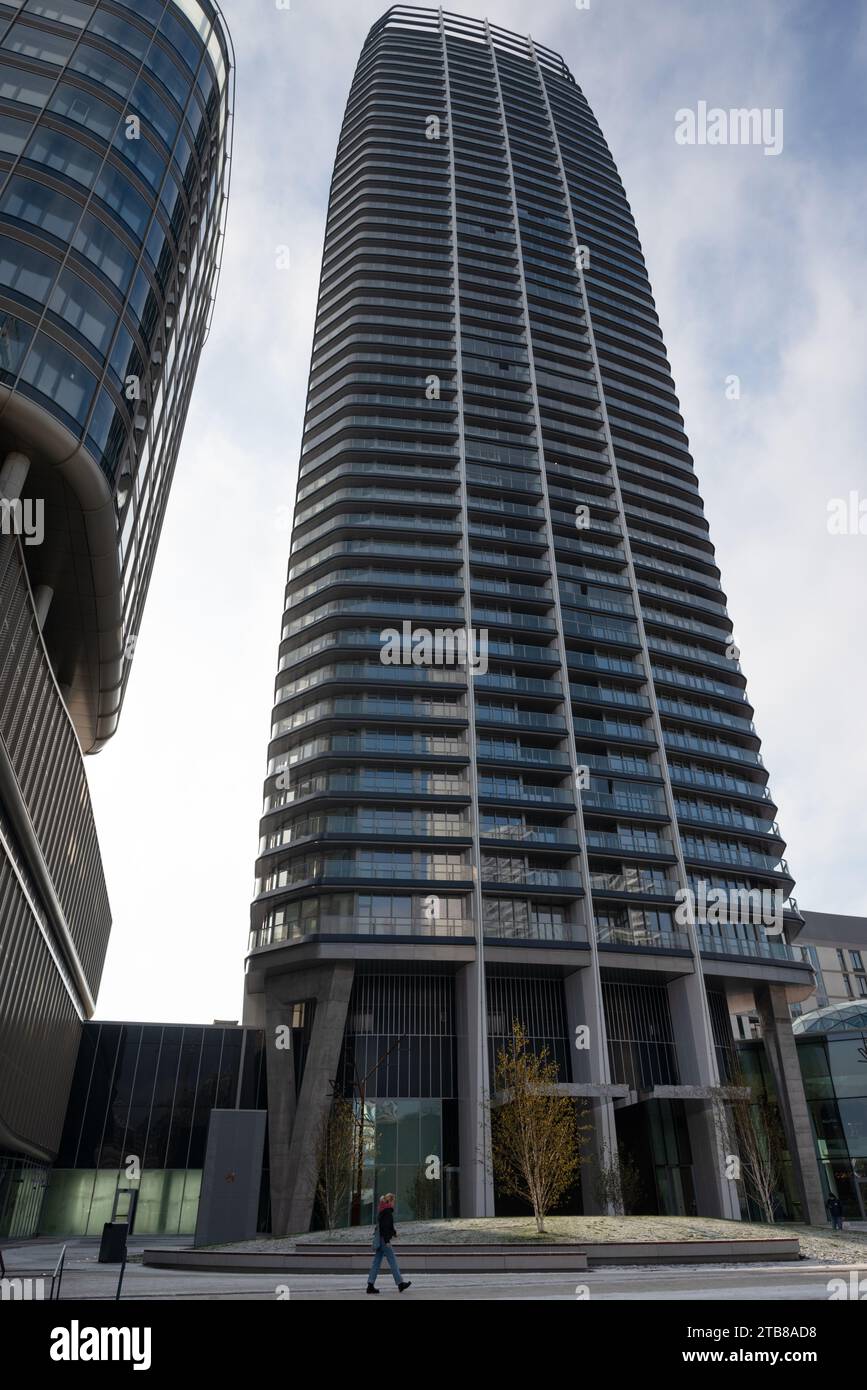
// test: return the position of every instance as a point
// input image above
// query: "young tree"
(336, 1149)
(752, 1137)
(536, 1133)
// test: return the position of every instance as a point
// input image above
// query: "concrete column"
(320, 1068)
(42, 602)
(781, 1050)
(293, 1127)
(13, 475)
(474, 1130)
(280, 1063)
(716, 1195)
(590, 1065)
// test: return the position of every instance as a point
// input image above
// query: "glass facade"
(115, 128)
(835, 1081)
(144, 1092)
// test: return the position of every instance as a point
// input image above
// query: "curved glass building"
(115, 130)
(493, 445)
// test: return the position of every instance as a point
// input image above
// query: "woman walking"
(382, 1238)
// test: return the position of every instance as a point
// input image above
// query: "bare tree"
(536, 1132)
(752, 1136)
(335, 1154)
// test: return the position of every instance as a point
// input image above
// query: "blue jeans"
(384, 1250)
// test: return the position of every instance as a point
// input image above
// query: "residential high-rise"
(115, 123)
(492, 442)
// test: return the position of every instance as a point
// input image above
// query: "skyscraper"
(493, 446)
(115, 122)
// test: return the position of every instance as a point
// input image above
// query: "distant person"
(835, 1211)
(382, 1237)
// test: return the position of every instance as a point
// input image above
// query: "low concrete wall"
(324, 1258)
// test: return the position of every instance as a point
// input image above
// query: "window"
(14, 337)
(84, 309)
(54, 372)
(108, 71)
(94, 240)
(45, 208)
(119, 31)
(63, 155)
(34, 43)
(26, 270)
(855, 957)
(123, 199)
(71, 12)
(30, 88)
(86, 110)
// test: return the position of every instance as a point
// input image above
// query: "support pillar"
(781, 1050)
(715, 1194)
(474, 1129)
(294, 1126)
(13, 475)
(590, 1065)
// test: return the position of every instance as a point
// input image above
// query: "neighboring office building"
(141, 1102)
(114, 144)
(492, 440)
(836, 947)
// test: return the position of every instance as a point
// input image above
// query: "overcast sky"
(758, 269)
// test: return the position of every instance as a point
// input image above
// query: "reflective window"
(72, 12)
(107, 433)
(110, 72)
(25, 269)
(31, 88)
(54, 372)
(13, 134)
(144, 9)
(36, 203)
(78, 105)
(84, 309)
(119, 31)
(142, 154)
(123, 199)
(63, 155)
(178, 37)
(154, 111)
(121, 354)
(34, 43)
(94, 240)
(14, 338)
(169, 74)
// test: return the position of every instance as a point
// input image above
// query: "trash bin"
(112, 1247)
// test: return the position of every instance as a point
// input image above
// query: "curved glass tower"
(115, 126)
(493, 443)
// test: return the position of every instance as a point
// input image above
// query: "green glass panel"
(67, 1202)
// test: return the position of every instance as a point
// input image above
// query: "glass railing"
(642, 938)
(354, 926)
(566, 932)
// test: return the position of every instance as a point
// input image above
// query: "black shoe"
(407, 1283)
(371, 1289)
